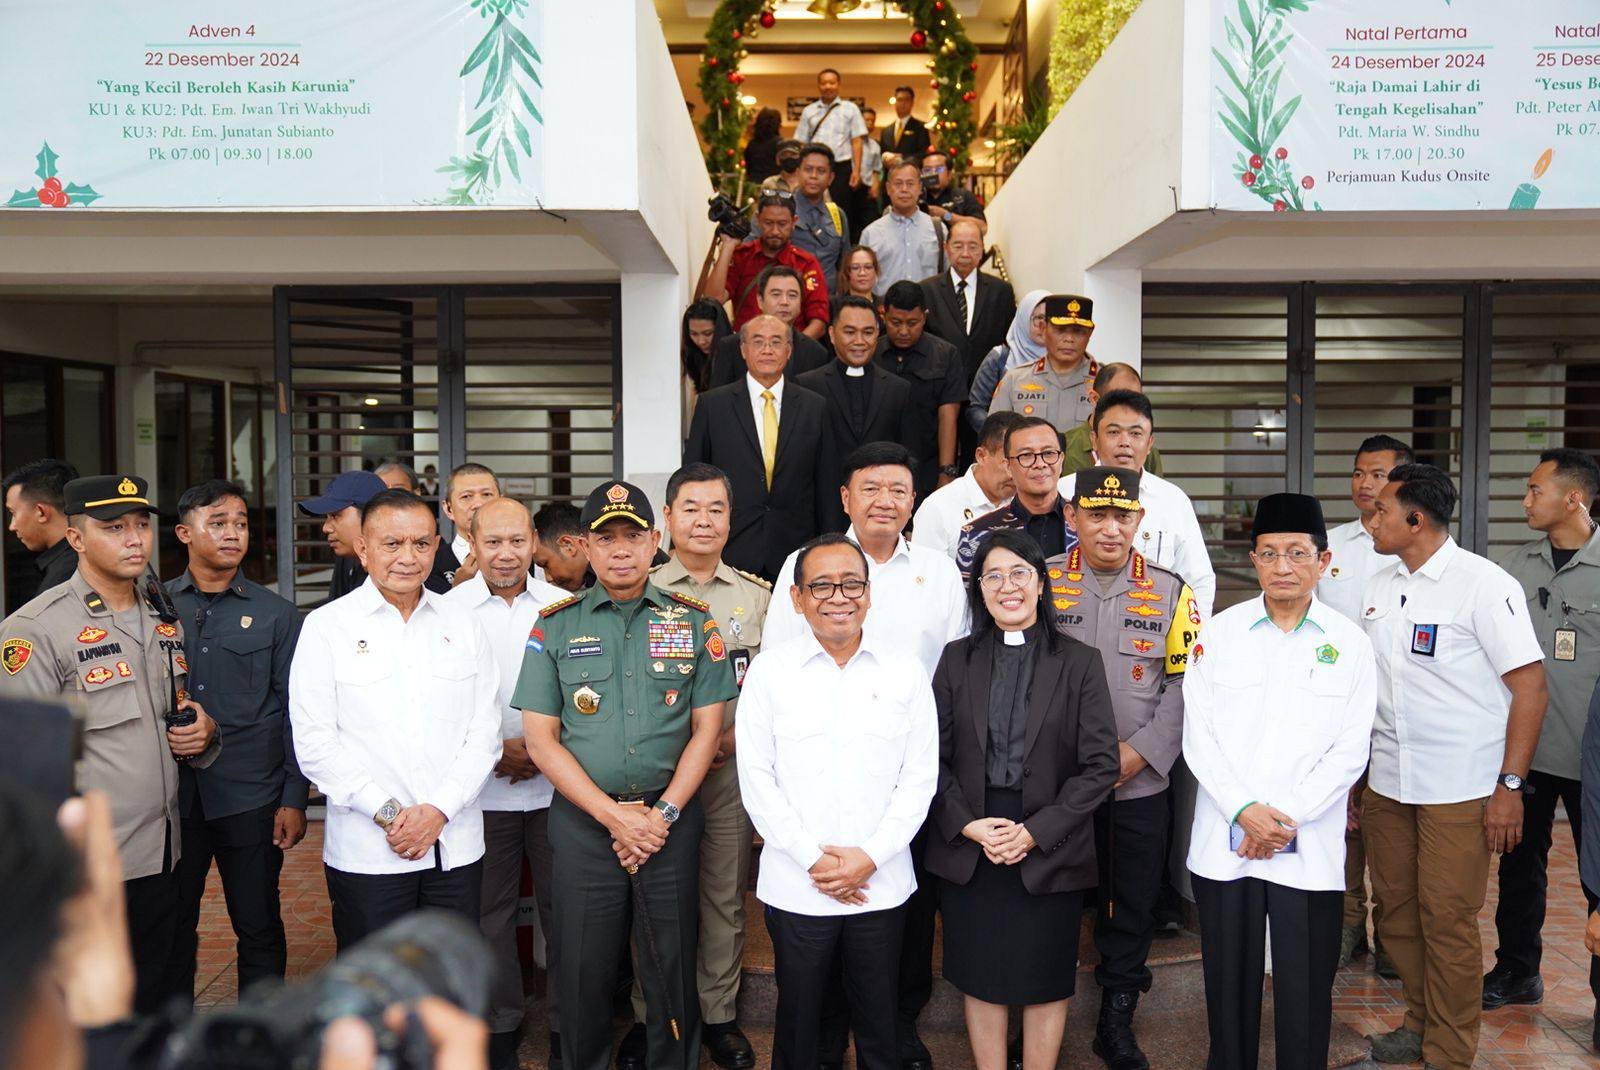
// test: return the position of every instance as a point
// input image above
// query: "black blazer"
(886, 419)
(1068, 767)
(914, 140)
(992, 313)
(728, 366)
(767, 526)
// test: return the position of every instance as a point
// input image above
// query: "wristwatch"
(387, 813)
(949, 470)
(669, 813)
(1510, 781)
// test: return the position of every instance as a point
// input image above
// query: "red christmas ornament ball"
(918, 39)
(735, 77)
(934, 84)
(767, 19)
(737, 35)
(969, 96)
(972, 66)
(711, 61)
(938, 5)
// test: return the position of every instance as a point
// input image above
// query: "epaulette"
(557, 607)
(688, 600)
(1038, 365)
(753, 578)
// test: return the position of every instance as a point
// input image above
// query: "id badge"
(1236, 841)
(1566, 644)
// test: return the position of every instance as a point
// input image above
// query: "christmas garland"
(937, 30)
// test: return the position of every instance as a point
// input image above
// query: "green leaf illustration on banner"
(51, 192)
(504, 106)
(1254, 115)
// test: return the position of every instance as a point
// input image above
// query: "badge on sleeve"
(14, 655)
(1566, 644)
(1424, 638)
(716, 648)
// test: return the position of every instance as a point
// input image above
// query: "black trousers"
(1130, 842)
(806, 952)
(152, 904)
(363, 903)
(1305, 956)
(593, 907)
(1525, 881)
(249, 865)
(915, 975)
(848, 200)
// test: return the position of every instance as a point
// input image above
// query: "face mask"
(789, 164)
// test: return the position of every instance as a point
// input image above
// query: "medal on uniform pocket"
(1566, 644)
(587, 700)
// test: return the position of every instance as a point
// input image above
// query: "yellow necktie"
(769, 434)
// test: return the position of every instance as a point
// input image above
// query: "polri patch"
(14, 655)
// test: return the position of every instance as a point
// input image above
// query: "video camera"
(728, 218)
(428, 953)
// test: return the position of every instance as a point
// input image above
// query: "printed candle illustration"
(1527, 195)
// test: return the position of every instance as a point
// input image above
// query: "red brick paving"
(1552, 1036)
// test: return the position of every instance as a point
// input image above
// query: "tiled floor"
(1553, 1036)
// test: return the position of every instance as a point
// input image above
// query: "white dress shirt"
(918, 602)
(758, 404)
(972, 293)
(1355, 561)
(1282, 719)
(1444, 636)
(845, 757)
(1170, 535)
(389, 708)
(938, 520)
(507, 625)
(842, 124)
(459, 545)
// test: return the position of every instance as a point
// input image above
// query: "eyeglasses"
(1294, 557)
(1020, 576)
(822, 590)
(1030, 458)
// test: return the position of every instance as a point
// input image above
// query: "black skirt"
(1002, 943)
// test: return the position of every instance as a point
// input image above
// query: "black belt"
(649, 798)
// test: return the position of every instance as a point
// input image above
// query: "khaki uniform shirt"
(1144, 627)
(1567, 621)
(624, 679)
(1038, 390)
(67, 643)
(738, 602)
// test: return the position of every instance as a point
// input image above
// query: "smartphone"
(44, 742)
(1236, 840)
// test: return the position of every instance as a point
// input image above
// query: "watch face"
(1512, 781)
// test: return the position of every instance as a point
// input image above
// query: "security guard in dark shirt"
(36, 517)
(622, 691)
(249, 806)
(100, 639)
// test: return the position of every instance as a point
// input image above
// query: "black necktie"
(961, 302)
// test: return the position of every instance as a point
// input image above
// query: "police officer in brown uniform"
(100, 639)
(1143, 619)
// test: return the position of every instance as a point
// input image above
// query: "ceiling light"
(748, 102)
(369, 401)
(988, 143)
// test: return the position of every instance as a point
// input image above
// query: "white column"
(1118, 296)
(652, 416)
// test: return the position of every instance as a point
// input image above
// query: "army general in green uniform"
(622, 692)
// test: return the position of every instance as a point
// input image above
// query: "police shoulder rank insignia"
(753, 578)
(556, 607)
(1327, 654)
(168, 630)
(716, 648)
(689, 600)
(91, 634)
(14, 655)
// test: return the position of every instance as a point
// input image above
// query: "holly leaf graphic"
(28, 198)
(81, 194)
(47, 163)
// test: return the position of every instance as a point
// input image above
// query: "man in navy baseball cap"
(340, 507)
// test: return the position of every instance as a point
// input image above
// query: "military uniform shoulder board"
(1039, 364)
(1094, 367)
(753, 578)
(93, 602)
(688, 600)
(557, 607)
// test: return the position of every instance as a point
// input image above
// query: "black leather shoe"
(1114, 1041)
(1501, 989)
(633, 1049)
(1014, 1053)
(728, 1047)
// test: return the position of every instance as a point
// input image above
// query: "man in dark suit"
(966, 307)
(906, 138)
(781, 294)
(865, 403)
(771, 437)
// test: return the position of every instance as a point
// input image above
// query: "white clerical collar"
(1015, 638)
(854, 372)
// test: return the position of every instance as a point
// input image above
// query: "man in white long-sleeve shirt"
(1123, 433)
(838, 758)
(393, 698)
(1278, 702)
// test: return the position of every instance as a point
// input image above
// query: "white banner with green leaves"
(1413, 105)
(291, 104)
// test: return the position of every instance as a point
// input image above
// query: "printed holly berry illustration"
(1255, 163)
(1307, 182)
(1248, 178)
(1282, 153)
(51, 193)
(1279, 206)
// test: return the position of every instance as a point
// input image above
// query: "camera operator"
(99, 639)
(943, 199)
(739, 265)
